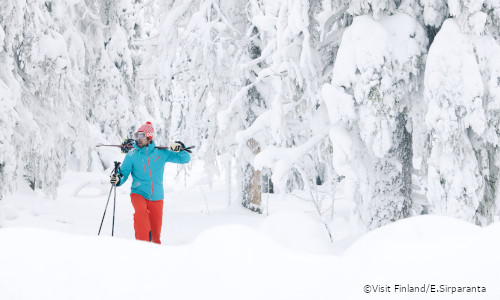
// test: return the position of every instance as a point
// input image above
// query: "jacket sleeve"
(181, 157)
(125, 169)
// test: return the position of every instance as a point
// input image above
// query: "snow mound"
(422, 230)
(297, 231)
(227, 262)
(237, 262)
(8, 212)
(41, 264)
(432, 250)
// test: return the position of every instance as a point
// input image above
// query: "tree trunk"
(252, 182)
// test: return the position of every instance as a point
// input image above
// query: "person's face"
(142, 140)
(143, 143)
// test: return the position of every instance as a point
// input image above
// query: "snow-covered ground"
(49, 249)
(191, 207)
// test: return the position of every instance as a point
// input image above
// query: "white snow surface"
(50, 248)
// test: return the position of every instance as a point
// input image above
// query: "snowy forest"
(397, 100)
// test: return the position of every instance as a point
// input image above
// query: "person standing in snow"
(146, 164)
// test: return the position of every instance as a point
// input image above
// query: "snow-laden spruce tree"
(470, 15)
(41, 90)
(462, 88)
(492, 10)
(434, 12)
(67, 81)
(9, 96)
(114, 102)
(375, 78)
(286, 125)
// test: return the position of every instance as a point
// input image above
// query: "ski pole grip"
(117, 166)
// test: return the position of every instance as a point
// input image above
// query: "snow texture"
(78, 267)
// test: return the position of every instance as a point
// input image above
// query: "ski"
(130, 146)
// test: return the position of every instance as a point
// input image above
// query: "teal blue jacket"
(146, 166)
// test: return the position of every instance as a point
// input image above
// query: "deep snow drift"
(236, 262)
(50, 249)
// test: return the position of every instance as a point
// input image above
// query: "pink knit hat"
(147, 129)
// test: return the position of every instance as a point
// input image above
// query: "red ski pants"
(147, 218)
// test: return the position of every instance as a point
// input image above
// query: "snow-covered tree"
(462, 90)
(66, 68)
(42, 88)
(375, 76)
(434, 12)
(492, 10)
(289, 122)
(376, 8)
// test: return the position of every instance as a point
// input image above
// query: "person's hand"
(176, 147)
(114, 179)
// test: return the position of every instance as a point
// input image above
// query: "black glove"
(182, 144)
(115, 179)
(127, 145)
(183, 147)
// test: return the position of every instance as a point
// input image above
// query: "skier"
(146, 164)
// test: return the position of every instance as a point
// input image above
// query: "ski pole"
(114, 206)
(115, 171)
(105, 209)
